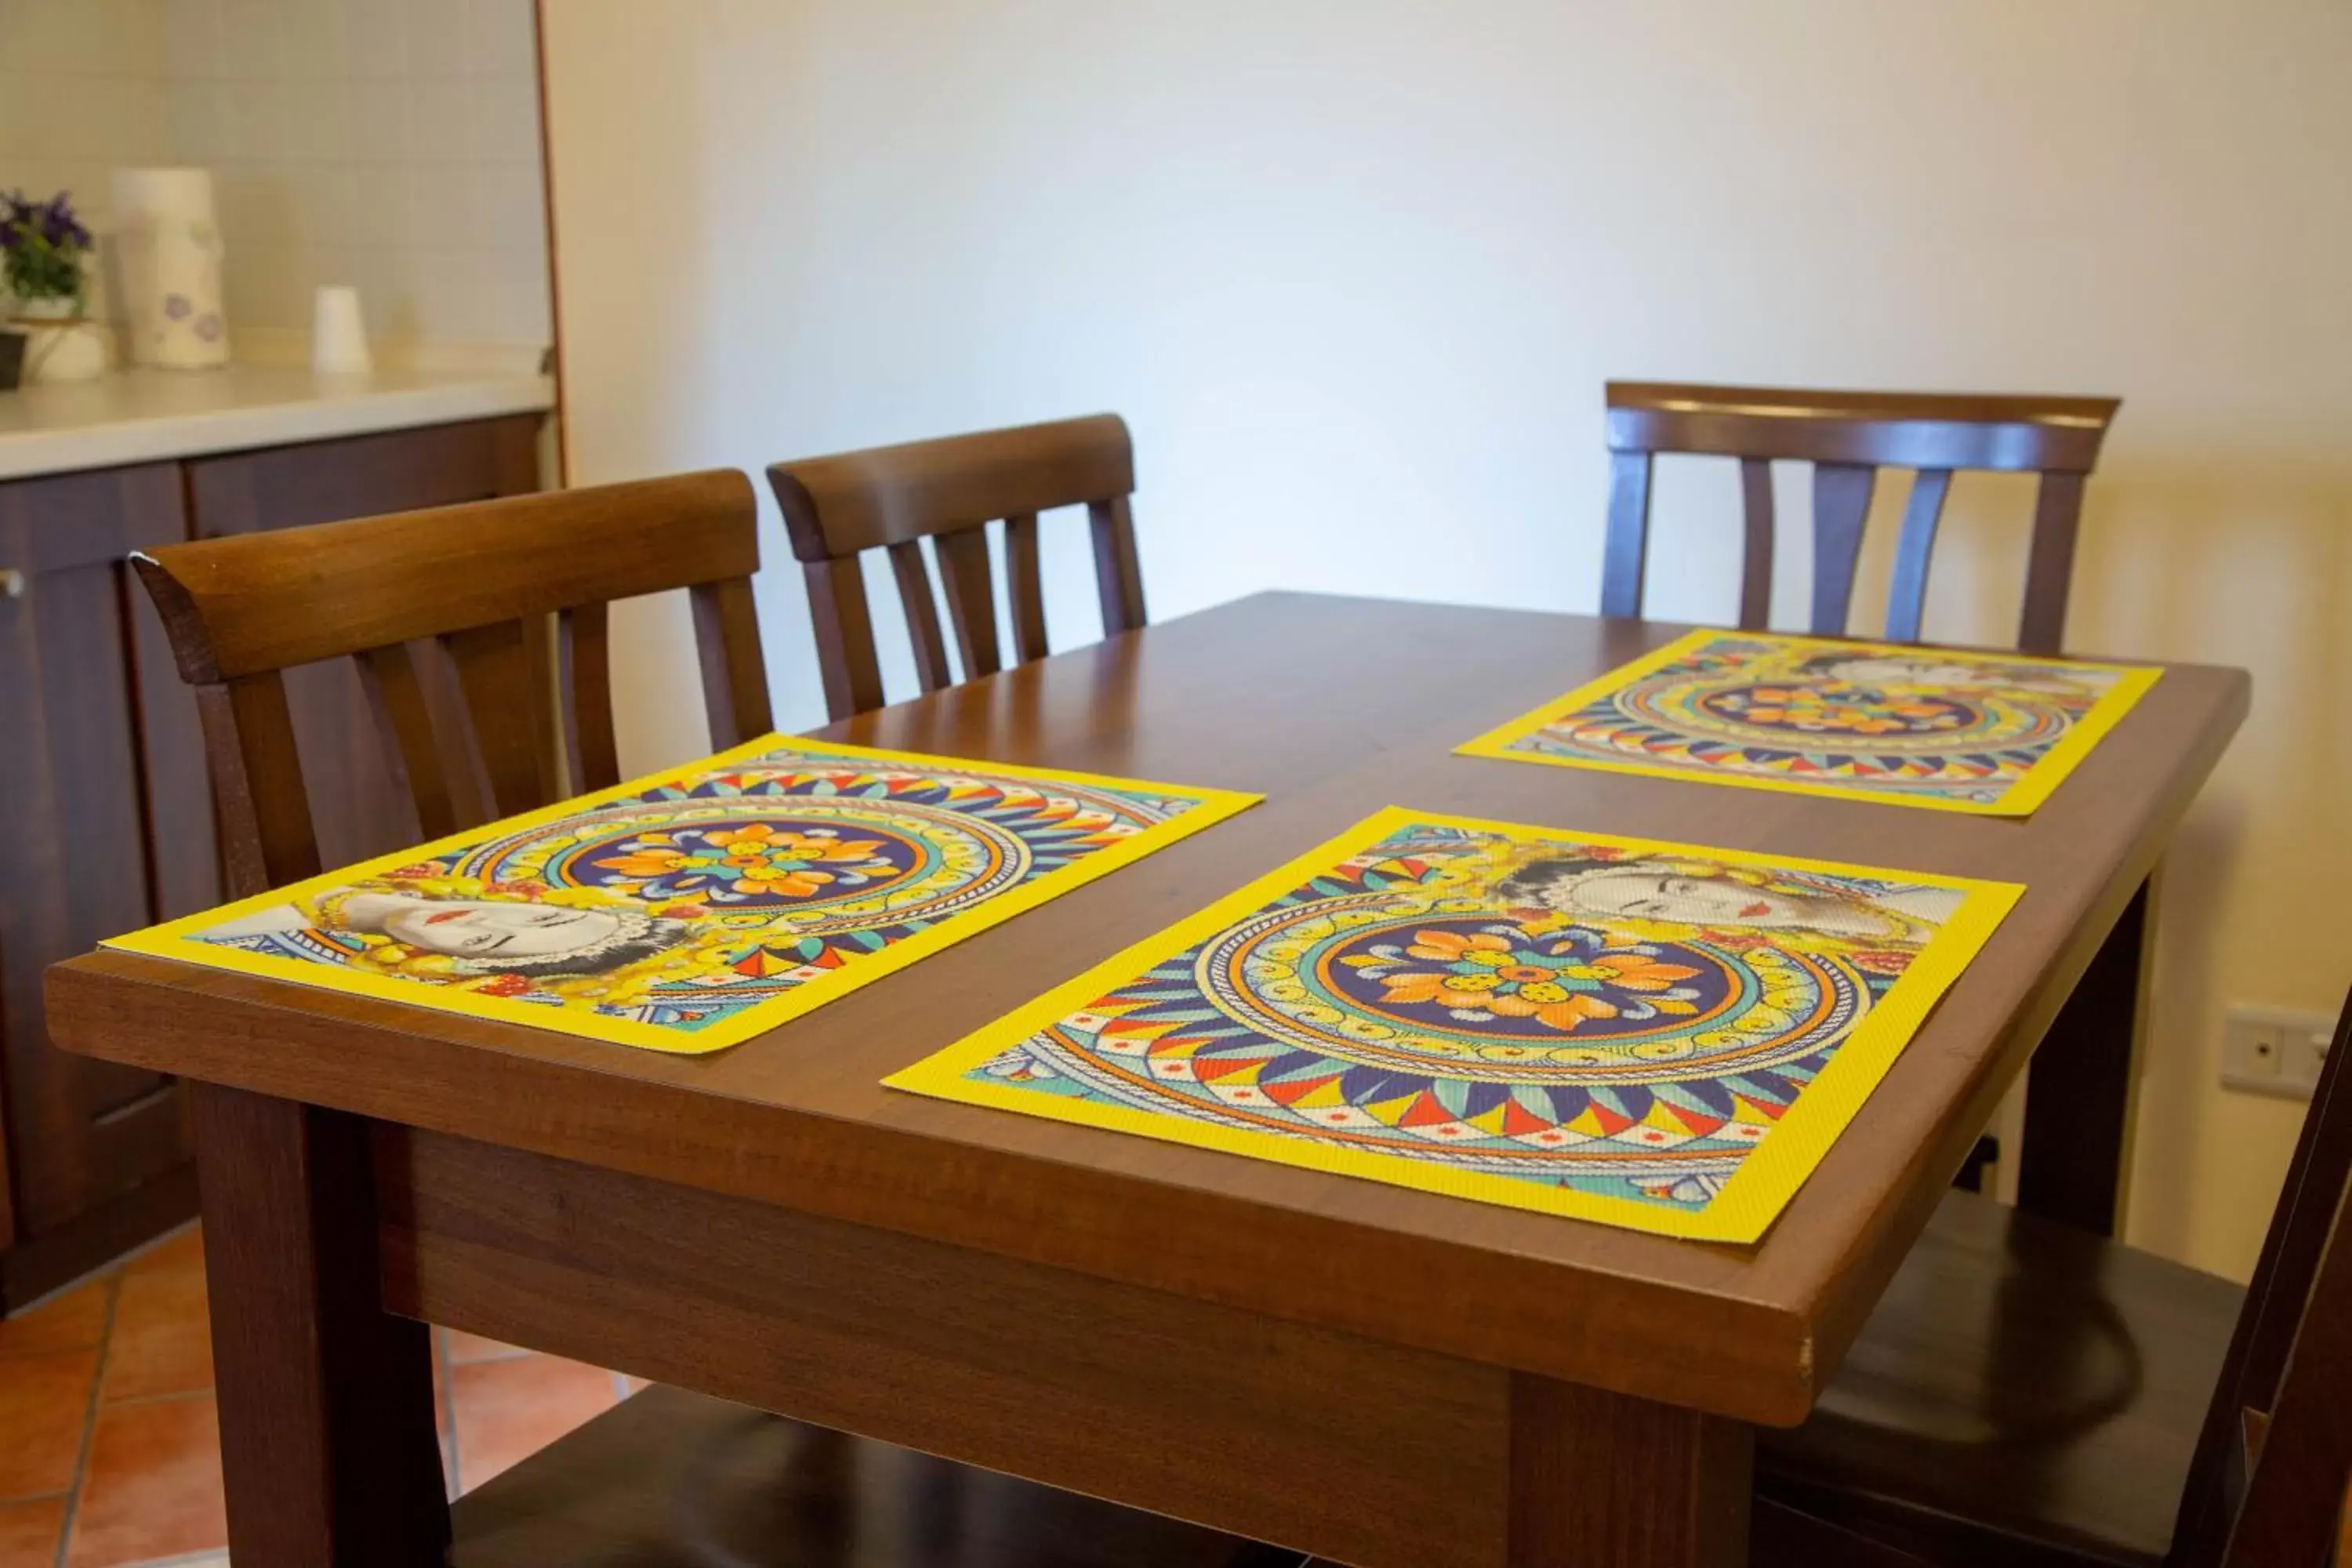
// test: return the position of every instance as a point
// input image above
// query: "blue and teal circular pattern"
(1423, 989)
(830, 861)
(1439, 1029)
(1813, 714)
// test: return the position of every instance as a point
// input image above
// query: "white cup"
(338, 343)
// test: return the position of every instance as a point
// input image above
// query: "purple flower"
(44, 244)
(176, 307)
(61, 228)
(208, 326)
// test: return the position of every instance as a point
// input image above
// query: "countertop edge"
(163, 437)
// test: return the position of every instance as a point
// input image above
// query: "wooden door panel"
(76, 859)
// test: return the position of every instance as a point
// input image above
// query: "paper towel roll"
(170, 246)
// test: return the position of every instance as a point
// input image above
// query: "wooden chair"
(666, 1476)
(2029, 1394)
(529, 720)
(948, 490)
(1848, 436)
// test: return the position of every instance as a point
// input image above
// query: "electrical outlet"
(2271, 1050)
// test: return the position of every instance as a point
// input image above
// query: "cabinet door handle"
(13, 584)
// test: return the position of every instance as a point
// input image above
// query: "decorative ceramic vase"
(61, 344)
(170, 250)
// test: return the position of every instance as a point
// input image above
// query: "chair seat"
(671, 1478)
(2025, 1393)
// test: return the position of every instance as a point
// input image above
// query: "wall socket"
(2270, 1051)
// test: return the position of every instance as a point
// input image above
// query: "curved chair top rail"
(834, 506)
(244, 605)
(1905, 430)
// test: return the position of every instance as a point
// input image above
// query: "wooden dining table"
(1384, 1378)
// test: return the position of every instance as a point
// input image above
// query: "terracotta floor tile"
(44, 1400)
(161, 1341)
(465, 1348)
(505, 1411)
(153, 1489)
(184, 1250)
(28, 1532)
(75, 1319)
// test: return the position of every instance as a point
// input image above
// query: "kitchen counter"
(145, 416)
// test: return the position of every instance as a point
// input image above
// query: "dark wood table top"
(1332, 708)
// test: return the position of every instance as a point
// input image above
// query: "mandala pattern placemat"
(1992, 733)
(1654, 1036)
(691, 910)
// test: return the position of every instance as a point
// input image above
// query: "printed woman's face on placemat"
(694, 909)
(1661, 1036)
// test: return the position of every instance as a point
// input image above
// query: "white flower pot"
(61, 346)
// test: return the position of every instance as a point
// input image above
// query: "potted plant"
(43, 248)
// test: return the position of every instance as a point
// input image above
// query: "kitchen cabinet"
(105, 816)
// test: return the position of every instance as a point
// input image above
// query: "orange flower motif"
(1636, 972)
(1559, 986)
(1564, 1014)
(645, 862)
(1447, 947)
(792, 884)
(1413, 987)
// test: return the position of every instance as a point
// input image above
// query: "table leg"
(1601, 1478)
(2083, 1090)
(329, 1448)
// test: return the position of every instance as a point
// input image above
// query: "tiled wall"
(389, 143)
(82, 91)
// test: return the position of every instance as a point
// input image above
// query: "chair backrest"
(1848, 436)
(948, 490)
(472, 587)
(2267, 1485)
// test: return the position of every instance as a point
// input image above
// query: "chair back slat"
(1841, 493)
(584, 667)
(972, 598)
(948, 491)
(2050, 562)
(844, 626)
(734, 672)
(2291, 1287)
(504, 671)
(257, 777)
(914, 579)
(389, 677)
(1119, 574)
(1906, 596)
(1024, 586)
(489, 589)
(1757, 526)
(1624, 559)
(1847, 436)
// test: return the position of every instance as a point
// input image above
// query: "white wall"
(1355, 269)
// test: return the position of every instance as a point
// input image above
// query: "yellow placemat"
(1992, 733)
(691, 910)
(1655, 1036)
